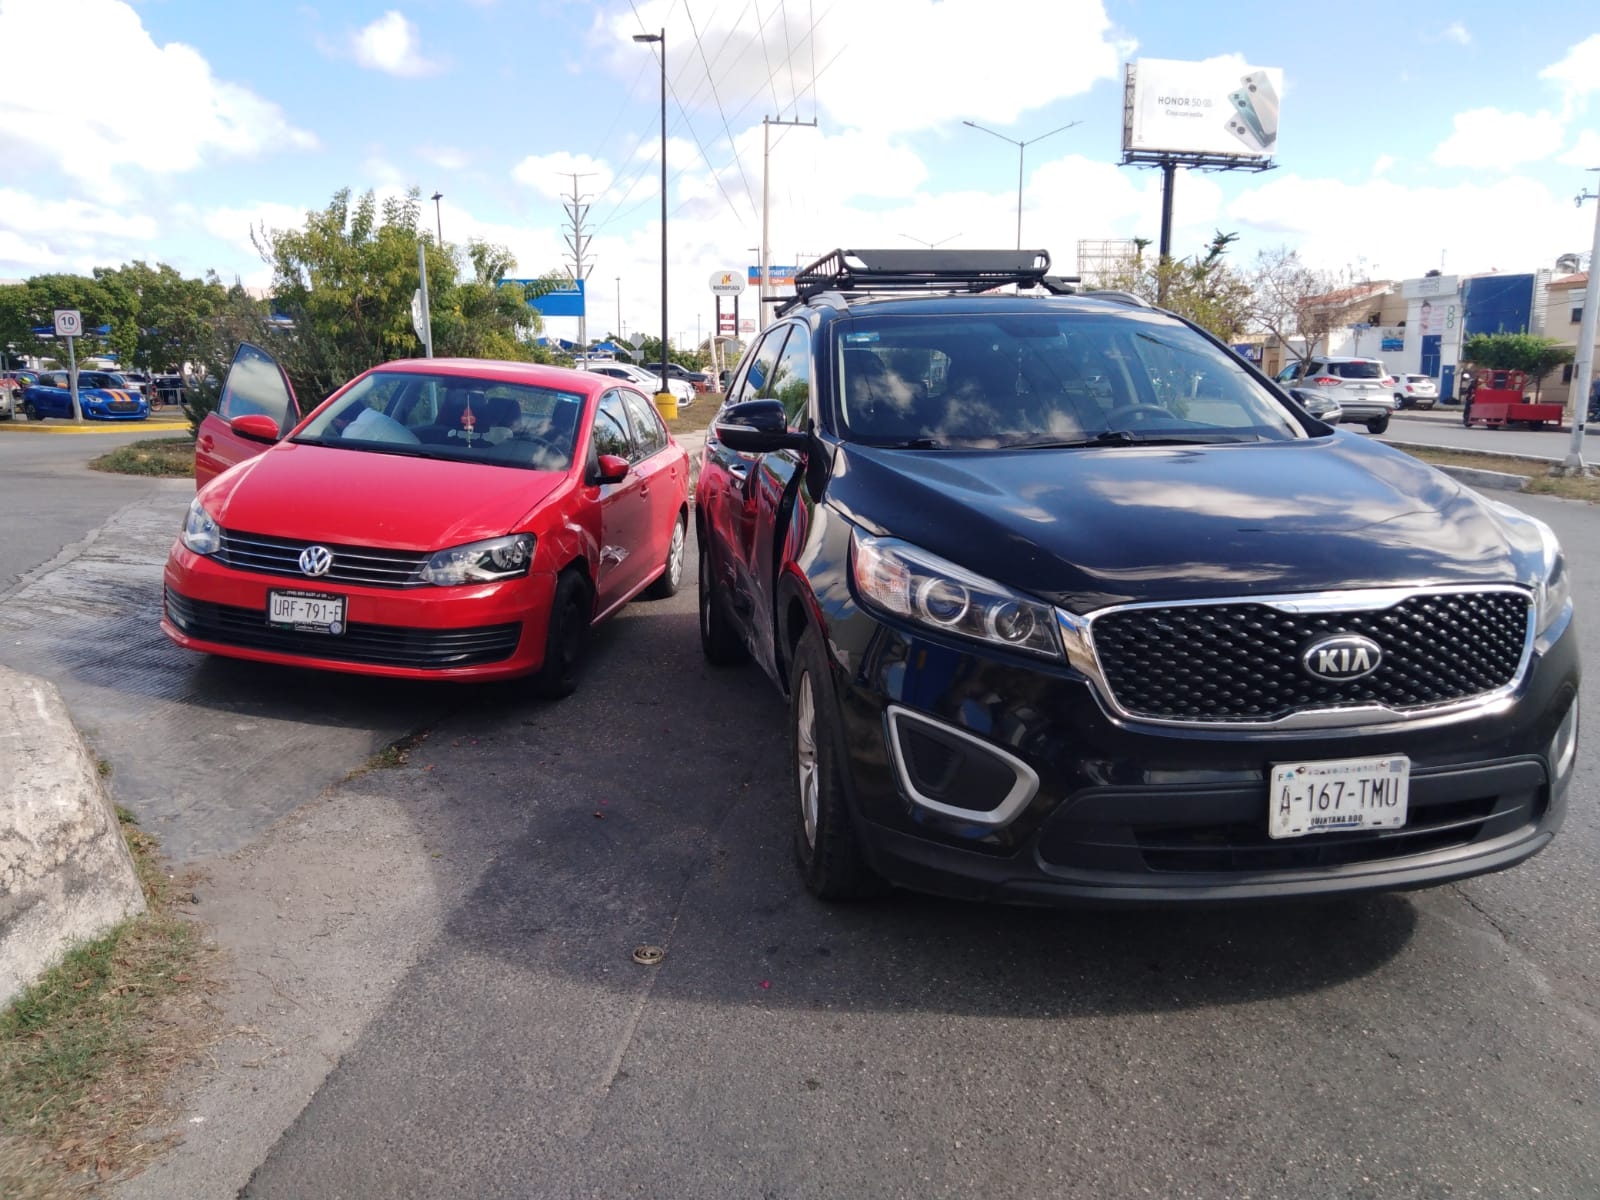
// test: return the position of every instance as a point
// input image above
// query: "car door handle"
(205, 443)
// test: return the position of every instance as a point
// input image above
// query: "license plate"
(306, 612)
(1338, 796)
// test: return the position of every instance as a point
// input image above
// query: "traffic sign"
(416, 314)
(727, 283)
(637, 339)
(69, 322)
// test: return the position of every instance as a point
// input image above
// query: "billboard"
(777, 277)
(562, 302)
(1218, 109)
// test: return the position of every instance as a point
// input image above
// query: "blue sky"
(1412, 136)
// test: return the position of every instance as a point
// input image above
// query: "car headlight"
(1553, 595)
(201, 533)
(899, 579)
(481, 562)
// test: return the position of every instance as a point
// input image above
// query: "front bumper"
(467, 633)
(1123, 813)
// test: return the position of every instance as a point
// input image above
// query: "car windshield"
(452, 417)
(100, 379)
(1357, 370)
(995, 381)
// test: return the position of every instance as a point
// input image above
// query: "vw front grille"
(364, 565)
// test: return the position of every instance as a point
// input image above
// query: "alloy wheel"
(805, 743)
(675, 556)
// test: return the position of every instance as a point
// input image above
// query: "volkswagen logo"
(1341, 658)
(315, 560)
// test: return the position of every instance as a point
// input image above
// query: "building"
(1563, 321)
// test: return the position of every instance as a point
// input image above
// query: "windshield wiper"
(1127, 437)
(917, 443)
(400, 448)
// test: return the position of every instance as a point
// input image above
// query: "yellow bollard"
(666, 405)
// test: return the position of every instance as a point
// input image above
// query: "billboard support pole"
(1169, 178)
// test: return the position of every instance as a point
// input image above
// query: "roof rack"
(1121, 296)
(857, 271)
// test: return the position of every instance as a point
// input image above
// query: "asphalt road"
(1440, 1044)
(1443, 427)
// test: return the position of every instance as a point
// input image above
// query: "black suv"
(1072, 604)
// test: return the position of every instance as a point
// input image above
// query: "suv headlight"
(1553, 594)
(481, 562)
(903, 581)
(201, 533)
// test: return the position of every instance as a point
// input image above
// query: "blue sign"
(780, 276)
(563, 302)
(1250, 351)
(1391, 342)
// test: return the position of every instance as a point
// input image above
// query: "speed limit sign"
(69, 322)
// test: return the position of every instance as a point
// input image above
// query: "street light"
(662, 38)
(931, 245)
(438, 219)
(1021, 147)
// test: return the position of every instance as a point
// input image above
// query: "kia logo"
(315, 560)
(1341, 658)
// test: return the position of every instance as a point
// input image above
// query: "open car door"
(255, 387)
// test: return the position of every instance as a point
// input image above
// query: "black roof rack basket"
(924, 271)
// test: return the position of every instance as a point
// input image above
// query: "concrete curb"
(153, 425)
(1478, 477)
(65, 872)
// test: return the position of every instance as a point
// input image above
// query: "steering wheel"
(524, 436)
(1133, 410)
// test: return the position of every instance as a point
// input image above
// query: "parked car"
(1320, 404)
(1365, 391)
(102, 396)
(138, 381)
(698, 380)
(1178, 642)
(454, 519)
(1415, 391)
(646, 380)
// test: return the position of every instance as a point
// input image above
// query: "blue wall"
(1497, 304)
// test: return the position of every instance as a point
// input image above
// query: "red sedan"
(433, 519)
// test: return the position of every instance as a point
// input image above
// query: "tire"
(566, 637)
(29, 411)
(1400, 402)
(1377, 424)
(671, 579)
(719, 639)
(825, 842)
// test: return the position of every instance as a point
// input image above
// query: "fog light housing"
(950, 771)
(1564, 746)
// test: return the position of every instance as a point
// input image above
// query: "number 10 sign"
(69, 322)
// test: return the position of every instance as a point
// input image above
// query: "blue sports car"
(103, 396)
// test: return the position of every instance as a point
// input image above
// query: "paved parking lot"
(434, 994)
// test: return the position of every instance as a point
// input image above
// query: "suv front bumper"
(978, 775)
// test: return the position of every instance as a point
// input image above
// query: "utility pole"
(620, 329)
(766, 252)
(577, 209)
(1583, 368)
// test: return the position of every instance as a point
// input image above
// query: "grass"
(698, 415)
(169, 457)
(85, 1053)
(396, 754)
(1538, 476)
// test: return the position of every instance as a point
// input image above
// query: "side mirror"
(256, 427)
(611, 468)
(758, 427)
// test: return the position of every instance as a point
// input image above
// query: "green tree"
(342, 286)
(1205, 288)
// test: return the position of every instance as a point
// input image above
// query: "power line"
(699, 45)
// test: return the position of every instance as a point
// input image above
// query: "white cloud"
(1585, 152)
(446, 158)
(550, 175)
(1578, 73)
(393, 45)
(1487, 136)
(893, 65)
(37, 233)
(1456, 32)
(233, 225)
(1510, 223)
(189, 118)
(1384, 164)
